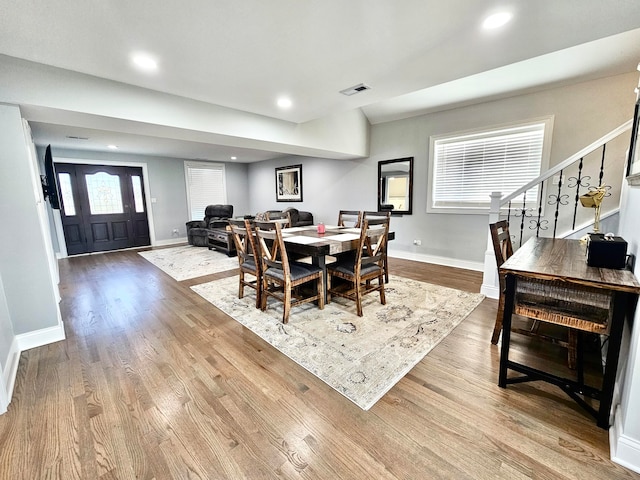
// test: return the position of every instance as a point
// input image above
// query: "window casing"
(466, 167)
(206, 185)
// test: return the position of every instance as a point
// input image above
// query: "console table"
(548, 279)
(222, 239)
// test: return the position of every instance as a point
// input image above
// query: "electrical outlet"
(417, 242)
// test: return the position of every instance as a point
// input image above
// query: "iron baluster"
(604, 147)
(539, 209)
(524, 211)
(557, 201)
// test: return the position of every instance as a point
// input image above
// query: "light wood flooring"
(154, 382)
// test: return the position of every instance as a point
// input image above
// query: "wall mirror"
(395, 185)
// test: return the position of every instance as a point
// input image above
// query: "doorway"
(103, 207)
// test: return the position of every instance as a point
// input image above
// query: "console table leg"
(611, 369)
(506, 328)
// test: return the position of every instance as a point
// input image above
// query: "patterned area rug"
(183, 263)
(360, 357)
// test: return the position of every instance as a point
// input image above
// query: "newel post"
(490, 282)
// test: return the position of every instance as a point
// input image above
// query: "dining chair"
(503, 249)
(282, 279)
(385, 214)
(357, 274)
(248, 260)
(277, 215)
(349, 218)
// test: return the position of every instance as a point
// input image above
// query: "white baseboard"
(8, 377)
(448, 262)
(170, 241)
(490, 291)
(625, 450)
(38, 338)
(25, 341)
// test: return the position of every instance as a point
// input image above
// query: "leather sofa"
(215, 216)
(296, 217)
(299, 218)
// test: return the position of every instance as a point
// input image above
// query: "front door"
(103, 207)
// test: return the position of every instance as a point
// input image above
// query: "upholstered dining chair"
(358, 274)
(384, 214)
(282, 279)
(349, 218)
(248, 257)
(503, 249)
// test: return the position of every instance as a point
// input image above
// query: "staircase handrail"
(573, 158)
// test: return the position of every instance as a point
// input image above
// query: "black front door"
(103, 207)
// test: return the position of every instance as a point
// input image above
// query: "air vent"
(361, 87)
(73, 137)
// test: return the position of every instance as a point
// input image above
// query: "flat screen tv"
(49, 183)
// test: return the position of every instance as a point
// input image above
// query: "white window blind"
(467, 168)
(205, 186)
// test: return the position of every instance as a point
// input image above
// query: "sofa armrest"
(304, 219)
(218, 222)
(195, 224)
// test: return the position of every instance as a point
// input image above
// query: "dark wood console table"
(222, 239)
(549, 280)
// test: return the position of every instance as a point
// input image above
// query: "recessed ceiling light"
(112, 147)
(234, 158)
(496, 20)
(284, 102)
(145, 62)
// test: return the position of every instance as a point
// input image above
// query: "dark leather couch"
(215, 216)
(296, 217)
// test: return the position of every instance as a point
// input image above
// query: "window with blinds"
(467, 168)
(206, 185)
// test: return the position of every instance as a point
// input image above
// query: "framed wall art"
(289, 183)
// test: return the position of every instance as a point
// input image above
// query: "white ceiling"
(418, 56)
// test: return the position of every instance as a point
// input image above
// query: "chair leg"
(383, 298)
(498, 326)
(263, 302)
(287, 304)
(358, 293)
(386, 270)
(320, 284)
(258, 292)
(241, 285)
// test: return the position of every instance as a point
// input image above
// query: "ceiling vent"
(73, 137)
(361, 87)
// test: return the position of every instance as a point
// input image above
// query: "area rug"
(360, 357)
(186, 262)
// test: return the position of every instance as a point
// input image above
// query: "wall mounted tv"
(49, 183)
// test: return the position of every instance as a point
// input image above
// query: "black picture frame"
(633, 164)
(289, 183)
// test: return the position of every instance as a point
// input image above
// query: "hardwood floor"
(154, 382)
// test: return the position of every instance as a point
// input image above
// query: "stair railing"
(549, 205)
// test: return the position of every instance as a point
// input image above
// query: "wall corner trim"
(625, 450)
(38, 338)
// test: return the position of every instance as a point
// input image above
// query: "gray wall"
(327, 186)
(582, 113)
(6, 330)
(24, 267)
